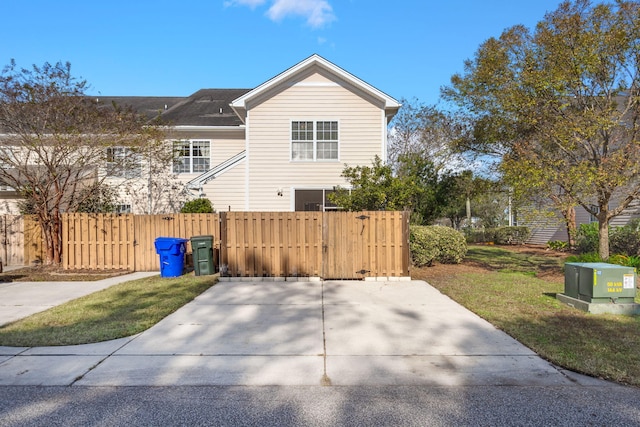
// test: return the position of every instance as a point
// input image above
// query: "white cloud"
(318, 13)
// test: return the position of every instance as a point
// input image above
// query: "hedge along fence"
(436, 243)
(499, 236)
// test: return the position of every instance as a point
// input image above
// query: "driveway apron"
(299, 333)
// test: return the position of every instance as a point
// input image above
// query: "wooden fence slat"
(13, 241)
(33, 246)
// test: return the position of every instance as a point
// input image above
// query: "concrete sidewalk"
(300, 333)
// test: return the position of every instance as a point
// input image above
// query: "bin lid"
(207, 237)
(165, 243)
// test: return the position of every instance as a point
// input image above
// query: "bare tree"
(55, 141)
(428, 132)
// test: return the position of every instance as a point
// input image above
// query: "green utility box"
(599, 282)
(202, 247)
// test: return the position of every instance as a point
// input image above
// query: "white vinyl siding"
(270, 165)
(227, 191)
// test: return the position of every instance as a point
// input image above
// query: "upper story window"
(592, 216)
(5, 187)
(122, 162)
(191, 156)
(314, 140)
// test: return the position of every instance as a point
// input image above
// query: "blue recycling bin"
(171, 251)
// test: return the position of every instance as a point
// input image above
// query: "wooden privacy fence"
(20, 240)
(126, 241)
(331, 245)
(271, 244)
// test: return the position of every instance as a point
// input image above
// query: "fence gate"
(343, 242)
(362, 244)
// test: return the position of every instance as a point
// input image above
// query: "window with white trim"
(123, 209)
(314, 140)
(122, 162)
(191, 156)
(5, 187)
(592, 216)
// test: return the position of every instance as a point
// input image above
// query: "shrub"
(619, 259)
(587, 238)
(558, 245)
(435, 243)
(499, 235)
(633, 261)
(625, 240)
(197, 206)
(512, 235)
(483, 235)
(586, 257)
(423, 250)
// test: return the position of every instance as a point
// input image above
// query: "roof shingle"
(206, 107)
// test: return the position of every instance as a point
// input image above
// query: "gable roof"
(389, 104)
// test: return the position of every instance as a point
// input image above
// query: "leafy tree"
(561, 106)
(490, 208)
(420, 130)
(197, 206)
(374, 188)
(459, 195)
(55, 140)
(423, 173)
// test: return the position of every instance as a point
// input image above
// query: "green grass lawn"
(119, 311)
(509, 293)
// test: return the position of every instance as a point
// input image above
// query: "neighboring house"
(544, 230)
(281, 146)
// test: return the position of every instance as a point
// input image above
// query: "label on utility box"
(628, 281)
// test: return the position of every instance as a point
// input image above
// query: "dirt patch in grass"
(57, 274)
(550, 269)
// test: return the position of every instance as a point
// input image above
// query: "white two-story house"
(279, 147)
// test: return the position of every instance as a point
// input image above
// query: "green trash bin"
(202, 247)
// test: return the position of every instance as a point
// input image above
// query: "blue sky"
(406, 48)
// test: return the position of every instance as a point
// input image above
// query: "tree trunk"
(57, 238)
(52, 238)
(47, 242)
(603, 237)
(570, 222)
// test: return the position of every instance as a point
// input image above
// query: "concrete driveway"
(299, 333)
